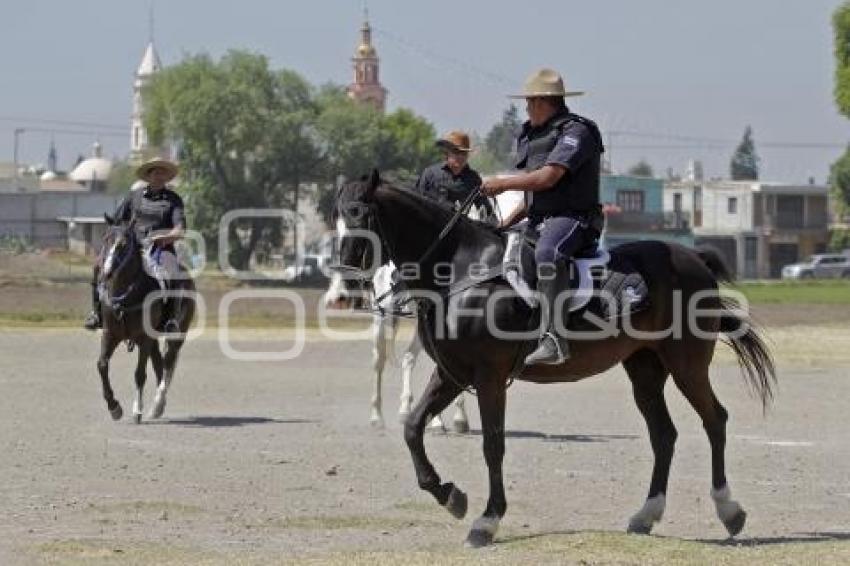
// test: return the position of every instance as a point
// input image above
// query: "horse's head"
(357, 245)
(120, 248)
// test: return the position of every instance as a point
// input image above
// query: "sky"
(667, 81)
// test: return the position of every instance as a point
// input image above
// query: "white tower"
(138, 135)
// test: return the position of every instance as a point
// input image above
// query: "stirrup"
(560, 355)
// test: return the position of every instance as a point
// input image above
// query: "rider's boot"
(94, 320)
(552, 348)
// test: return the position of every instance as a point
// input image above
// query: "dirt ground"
(264, 462)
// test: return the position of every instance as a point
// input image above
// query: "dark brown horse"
(468, 354)
(125, 284)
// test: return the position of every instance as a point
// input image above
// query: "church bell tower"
(367, 87)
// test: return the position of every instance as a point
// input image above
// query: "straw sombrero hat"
(145, 168)
(545, 82)
(456, 141)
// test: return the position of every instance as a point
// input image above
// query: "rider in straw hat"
(452, 180)
(560, 154)
(159, 222)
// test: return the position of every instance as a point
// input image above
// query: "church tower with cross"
(367, 87)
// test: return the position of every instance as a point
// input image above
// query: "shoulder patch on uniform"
(569, 140)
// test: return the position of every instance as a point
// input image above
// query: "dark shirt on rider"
(152, 210)
(440, 183)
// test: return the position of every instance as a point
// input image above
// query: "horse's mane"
(439, 210)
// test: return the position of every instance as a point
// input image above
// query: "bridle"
(373, 224)
(118, 302)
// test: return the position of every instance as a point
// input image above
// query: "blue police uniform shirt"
(579, 150)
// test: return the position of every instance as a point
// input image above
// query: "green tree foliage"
(245, 136)
(357, 138)
(839, 185)
(745, 161)
(500, 139)
(250, 136)
(841, 29)
(641, 169)
(121, 178)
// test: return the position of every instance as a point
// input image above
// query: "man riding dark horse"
(159, 220)
(561, 154)
(453, 180)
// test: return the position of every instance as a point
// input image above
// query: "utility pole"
(18, 132)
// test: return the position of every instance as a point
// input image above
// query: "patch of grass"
(829, 291)
(83, 552)
(609, 548)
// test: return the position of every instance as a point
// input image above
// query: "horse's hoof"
(639, 528)
(736, 524)
(157, 410)
(116, 412)
(483, 532)
(402, 416)
(457, 503)
(376, 422)
(460, 427)
(478, 539)
(137, 418)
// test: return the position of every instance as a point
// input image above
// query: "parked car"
(819, 266)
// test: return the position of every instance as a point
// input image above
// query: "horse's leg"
(141, 377)
(408, 362)
(691, 377)
(648, 376)
(379, 361)
(460, 422)
(108, 343)
(172, 349)
(437, 395)
(491, 405)
(156, 360)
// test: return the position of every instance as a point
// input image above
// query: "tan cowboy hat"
(143, 172)
(456, 141)
(545, 82)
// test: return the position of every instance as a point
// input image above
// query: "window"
(732, 205)
(630, 201)
(677, 202)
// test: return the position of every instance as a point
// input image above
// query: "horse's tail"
(742, 334)
(753, 353)
(714, 261)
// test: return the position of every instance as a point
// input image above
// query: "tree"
(841, 30)
(745, 161)
(641, 169)
(246, 136)
(357, 138)
(502, 136)
(839, 185)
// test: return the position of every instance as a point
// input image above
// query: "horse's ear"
(373, 182)
(109, 220)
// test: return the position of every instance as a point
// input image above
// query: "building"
(149, 65)
(56, 219)
(634, 211)
(757, 226)
(366, 87)
(93, 173)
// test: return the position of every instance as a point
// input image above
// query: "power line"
(23, 120)
(74, 132)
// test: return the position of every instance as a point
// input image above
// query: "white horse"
(384, 333)
(384, 328)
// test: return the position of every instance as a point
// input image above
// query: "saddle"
(608, 287)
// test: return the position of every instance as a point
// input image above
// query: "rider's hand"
(491, 186)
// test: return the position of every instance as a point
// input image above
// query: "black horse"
(468, 355)
(125, 284)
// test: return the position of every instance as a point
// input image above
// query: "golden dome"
(365, 50)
